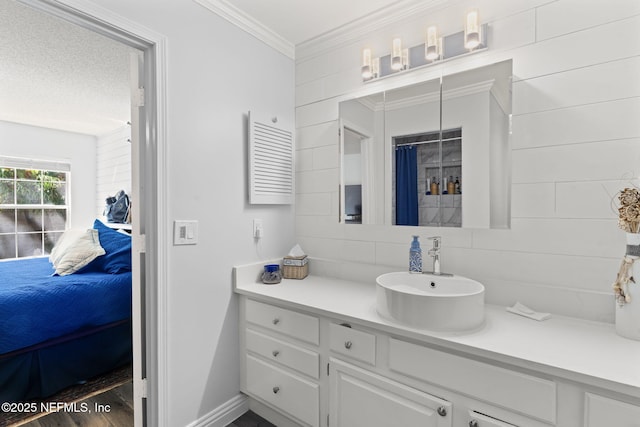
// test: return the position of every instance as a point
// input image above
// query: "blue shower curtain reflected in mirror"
(406, 185)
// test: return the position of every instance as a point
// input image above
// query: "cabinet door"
(602, 411)
(359, 398)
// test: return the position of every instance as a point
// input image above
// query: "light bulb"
(472, 30)
(431, 50)
(396, 55)
(367, 72)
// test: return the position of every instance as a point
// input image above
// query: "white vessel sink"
(441, 303)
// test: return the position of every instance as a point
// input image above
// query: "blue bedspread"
(36, 306)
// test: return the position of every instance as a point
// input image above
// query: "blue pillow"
(117, 246)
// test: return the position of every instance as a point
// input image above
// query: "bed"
(60, 330)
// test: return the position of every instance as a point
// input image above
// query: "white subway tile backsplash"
(393, 254)
(579, 237)
(317, 247)
(513, 31)
(585, 123)
(304, 160)
(310, 92)
(567, 16)
(611, 41)
(326, 157)
(595, 306)
(318, 226)
(317, 181)
(317, 135)
(312, 69)
(568, 271)
(533, 200)
(593, 199)
(313, 204)
(598, 83)
(359, 251)
(596, 161)
(317, 113)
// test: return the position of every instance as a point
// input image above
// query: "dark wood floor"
(119, 402)
(251, 419)
(113, 408)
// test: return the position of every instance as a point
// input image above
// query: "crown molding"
(245, 22)
(363, 26)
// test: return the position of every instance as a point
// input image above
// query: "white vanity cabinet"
(411, 384)
(326, 369)
(281, 360)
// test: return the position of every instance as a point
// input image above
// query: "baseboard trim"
(224, 414)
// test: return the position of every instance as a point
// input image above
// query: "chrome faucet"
(434, 253)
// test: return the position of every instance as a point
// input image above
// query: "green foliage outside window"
(33, 211)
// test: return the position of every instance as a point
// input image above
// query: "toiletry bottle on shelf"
(445, 185)
(457, 186)
(415, 256)
(434, 187)
(428, 186)
(451, 186)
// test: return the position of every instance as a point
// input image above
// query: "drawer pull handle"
(275, 353)
(442, 411)
(276, 321)
(276, 389)
(473, 423)
(348, 345)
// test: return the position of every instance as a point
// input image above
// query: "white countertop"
(574, 349)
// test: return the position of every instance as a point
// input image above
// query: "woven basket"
(295, 267)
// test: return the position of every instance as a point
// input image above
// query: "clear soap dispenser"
(415, 256)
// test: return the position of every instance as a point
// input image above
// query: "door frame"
(150, 335)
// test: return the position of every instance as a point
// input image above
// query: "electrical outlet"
(185, 232)
(258, 231)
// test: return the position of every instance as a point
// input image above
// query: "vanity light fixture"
(396, 55)
(370, 66)
(472, 36)
(432, 46)
(367, 71)
(472, 39)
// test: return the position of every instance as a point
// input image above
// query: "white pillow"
(74, 250)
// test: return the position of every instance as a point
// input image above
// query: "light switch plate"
(185, 232)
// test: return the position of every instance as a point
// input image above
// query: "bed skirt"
(44, 369)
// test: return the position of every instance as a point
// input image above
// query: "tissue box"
(295, 267)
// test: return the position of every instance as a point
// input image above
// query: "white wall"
(113, 166)
(216, 74)
(576, 141)
(79, 150)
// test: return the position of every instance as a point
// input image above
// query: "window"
(33, 208)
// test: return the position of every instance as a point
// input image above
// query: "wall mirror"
(435, 153)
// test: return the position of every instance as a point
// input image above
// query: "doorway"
(148, 186)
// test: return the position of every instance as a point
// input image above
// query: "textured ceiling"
(58, 75)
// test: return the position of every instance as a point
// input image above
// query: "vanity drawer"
(291, 394)
(601, 411)
(292, 356)
(476, 419)
(353, 343)
(296, 325)
(528, 395)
